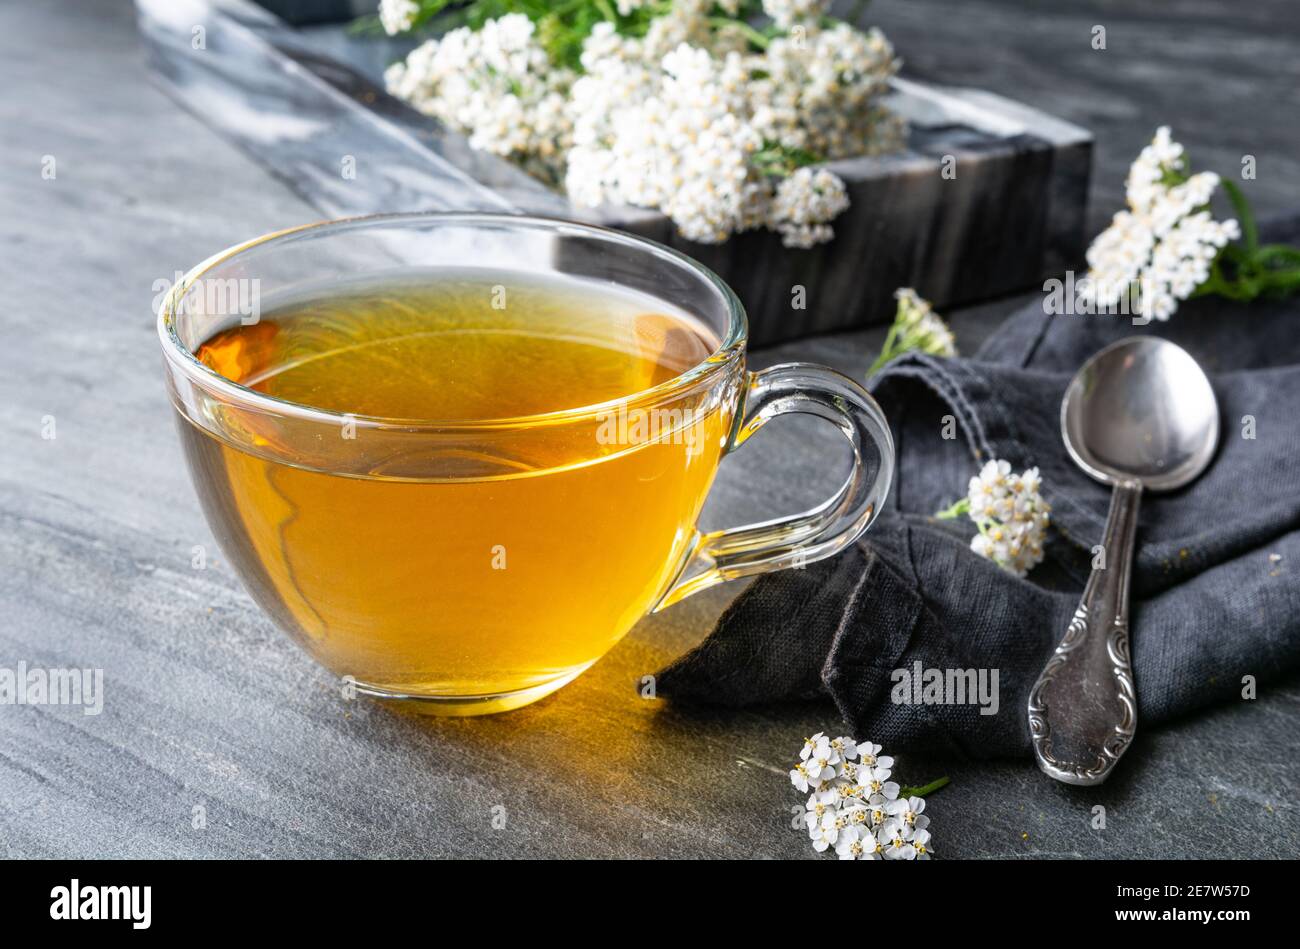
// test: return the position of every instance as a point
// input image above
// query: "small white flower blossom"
(858, 843)
(921, 844)
(804, 204)
(1163, 244)
(846, 748)
(810, 745)
(925, 330)
(397, 16)
(820, 803)
(896, 844)
(878, 787)
(908, 811)
(826, 832)
(786, 13)
(824, 763)
(852, 810)
(1011, 515)
(867, 755)
(801, 777)
(919, 320)
(820, 762)
(853, 806)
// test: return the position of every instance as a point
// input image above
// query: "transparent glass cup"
(438, 561)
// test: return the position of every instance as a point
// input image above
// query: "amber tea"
(489, 569)
(459, 455)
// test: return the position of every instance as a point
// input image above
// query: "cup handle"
(822, 531)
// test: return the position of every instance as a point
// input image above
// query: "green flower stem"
(754, 36)
(1245, 217)
(925, 790)
(982, 524)
(957, 510)
(887, 352)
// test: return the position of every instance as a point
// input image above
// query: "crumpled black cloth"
(1216, 592)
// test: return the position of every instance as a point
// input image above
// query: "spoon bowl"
(1141, 410)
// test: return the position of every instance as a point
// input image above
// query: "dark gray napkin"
(1216, 592)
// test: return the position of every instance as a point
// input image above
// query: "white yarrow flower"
(921, 844)
(867, 755)
(824, 763)
(846, 748)
(826, 832)
(908, 811)
(1162, 246)
(858, 843)
(853, 806)
(916, 328)
(820, 803)
(921, 327)
(802, 778)
(687, 119)
(896, 844)
(397, 16)
(498, 86)
(811, 744)
(786, 13)
(877, 786)
(805, 203)
(1010, 513)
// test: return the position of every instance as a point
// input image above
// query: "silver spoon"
(1140, 415)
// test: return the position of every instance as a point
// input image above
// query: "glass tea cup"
(474, 565)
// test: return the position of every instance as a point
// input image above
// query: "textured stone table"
(208, 706)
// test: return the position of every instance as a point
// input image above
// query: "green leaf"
(1280, 281)
(1266, 255)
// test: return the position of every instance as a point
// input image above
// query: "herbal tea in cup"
(458, 457)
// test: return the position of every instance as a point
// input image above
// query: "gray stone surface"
(208, 705)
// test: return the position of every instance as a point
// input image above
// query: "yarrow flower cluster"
(854, 807)
(916, 328)
(722, 127)
(496, 85)
(803, 203)
(1010, 513)
(1161, 249)
(398, 16)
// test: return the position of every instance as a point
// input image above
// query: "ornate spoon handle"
(1083, 708)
